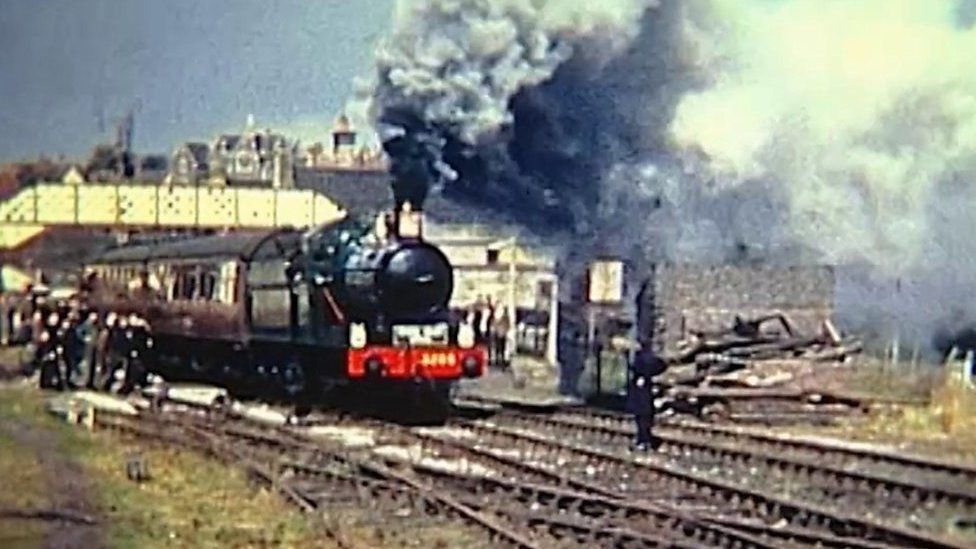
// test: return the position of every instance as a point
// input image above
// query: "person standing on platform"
(476, 321)
(88, 332)
(500, 326)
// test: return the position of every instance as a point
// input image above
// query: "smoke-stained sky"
(190, 68)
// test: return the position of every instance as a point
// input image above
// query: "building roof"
(262, 141)
(63, 170)
(103, 158)
(359, 192)
(200, 152)
(241, 245)
(157, 162)
(13, 279)
(230, 141)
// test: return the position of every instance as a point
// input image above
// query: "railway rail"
(677, 482)
(542, 485)
(554, 503)
(717, 445)
(513, 512)
(598, 501)
(310, 476)
(949, 477)
(947, 474)
(601, 499)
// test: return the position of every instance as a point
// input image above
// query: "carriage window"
(208, 281)
(188, 284)
(176, 289)
(227, 281)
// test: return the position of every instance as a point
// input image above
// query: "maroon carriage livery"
(333, 312)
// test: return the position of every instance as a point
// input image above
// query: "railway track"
(312, 477)
(821, 448)
(930, 487)
(596, 501)
(935, 481)
(523, 455)
(681, 483)
(700, 527)
(856, 488)
(514, 512)
(532, 480)
(546, 502)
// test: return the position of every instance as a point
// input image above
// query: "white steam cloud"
(460, 62)
(863, 114)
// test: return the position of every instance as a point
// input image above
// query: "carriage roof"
(239, 245)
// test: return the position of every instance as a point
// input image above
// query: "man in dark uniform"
(47, 342)
(116, 350)
(640, 394)
(73, 345)
(137, 344)
(104, 353)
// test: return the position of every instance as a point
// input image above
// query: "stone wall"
(680, 299)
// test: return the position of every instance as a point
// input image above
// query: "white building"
(507, 271)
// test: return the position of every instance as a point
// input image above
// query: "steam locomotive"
(336, 312)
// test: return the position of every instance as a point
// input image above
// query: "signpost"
(604, 289)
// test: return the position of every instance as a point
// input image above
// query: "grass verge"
(944, 427)
(23, 488)
(189, 501)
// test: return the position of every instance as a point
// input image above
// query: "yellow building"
(136, 206)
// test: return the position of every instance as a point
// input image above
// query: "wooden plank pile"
(758, 369)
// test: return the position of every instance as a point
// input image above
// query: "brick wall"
(679, 299)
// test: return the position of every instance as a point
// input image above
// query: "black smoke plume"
(705, 131)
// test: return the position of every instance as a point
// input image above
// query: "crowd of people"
(73, 346)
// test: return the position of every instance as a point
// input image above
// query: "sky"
(188, 68)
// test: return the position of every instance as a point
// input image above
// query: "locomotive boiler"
(337, 313)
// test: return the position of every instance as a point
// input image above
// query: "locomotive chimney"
(408, 223)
